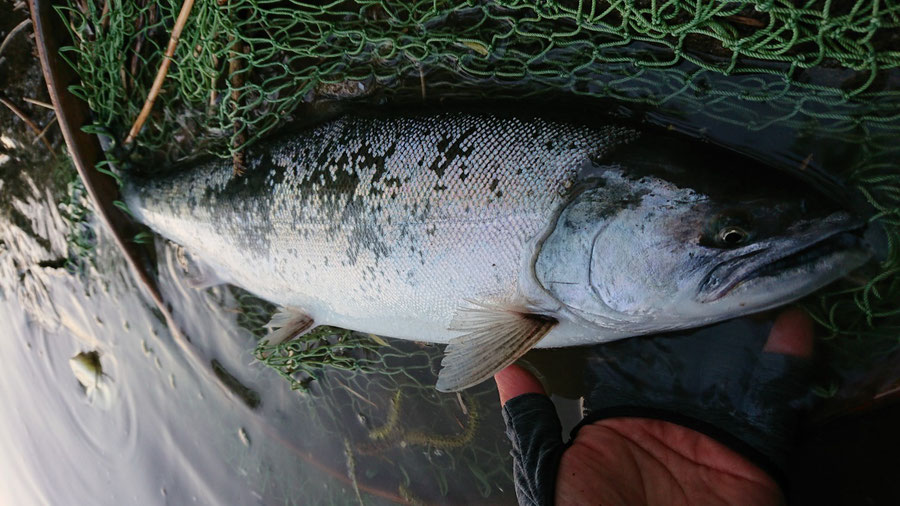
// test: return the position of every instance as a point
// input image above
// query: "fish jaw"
(793, 276)
(801, 263)
(633, 256)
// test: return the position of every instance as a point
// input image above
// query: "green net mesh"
(242, 67)
(397, 432)
(826, 71)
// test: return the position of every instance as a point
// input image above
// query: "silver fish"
(496, 234)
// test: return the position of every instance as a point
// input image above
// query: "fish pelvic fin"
(288, 323)
(495, 337)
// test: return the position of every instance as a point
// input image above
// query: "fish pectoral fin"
(495, 338)
(288, 323)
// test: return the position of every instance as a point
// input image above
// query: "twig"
(163, 70)
(104, 15)
(24, 117)
(212, 85)
(805, 163)
(421, 80)
(45, 130)
(887, 392)
(462, 405)
(18, 28)
(236, 78)
(354, 392)
(38, 102)
(138, 26)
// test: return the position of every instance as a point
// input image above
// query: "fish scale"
(387, 225)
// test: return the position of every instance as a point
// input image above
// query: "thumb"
(514, 381)
(535, 433)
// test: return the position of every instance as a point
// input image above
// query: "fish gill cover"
(826, 71)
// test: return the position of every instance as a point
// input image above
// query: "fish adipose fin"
(496, 337)
(288, 323)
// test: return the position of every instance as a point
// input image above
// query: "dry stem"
(33, 101)
(45, 130)
(12, 33)
(237, 80)
(163, 70)
(24, 117)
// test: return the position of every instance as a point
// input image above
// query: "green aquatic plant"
(81, 239)
(393, 432)
(399, 414)
(75, 210)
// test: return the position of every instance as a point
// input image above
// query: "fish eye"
(732, 236)
(731, 228)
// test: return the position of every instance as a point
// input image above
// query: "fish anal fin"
(495, 337)
(288, 323)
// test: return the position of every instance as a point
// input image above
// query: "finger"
(514, 381)
(792, 334)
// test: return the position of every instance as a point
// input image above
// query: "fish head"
(645, 252)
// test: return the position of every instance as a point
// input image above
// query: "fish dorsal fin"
(495, 337)
(288, 323)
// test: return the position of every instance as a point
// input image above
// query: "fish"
(498, 232)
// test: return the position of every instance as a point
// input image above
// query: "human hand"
(682, 446)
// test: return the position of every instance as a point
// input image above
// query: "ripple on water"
(60, 324)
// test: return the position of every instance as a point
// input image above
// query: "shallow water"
(157, 423)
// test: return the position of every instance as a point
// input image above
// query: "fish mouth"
(772, 261)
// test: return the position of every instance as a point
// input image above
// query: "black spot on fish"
(442, 144)
(451, 152)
